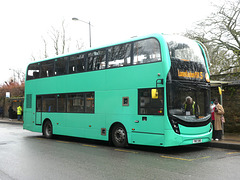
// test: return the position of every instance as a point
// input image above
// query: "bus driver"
(189, 106)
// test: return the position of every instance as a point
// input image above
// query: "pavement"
(229, 140)
(10, 121)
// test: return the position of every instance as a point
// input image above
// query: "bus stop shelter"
(219, 85)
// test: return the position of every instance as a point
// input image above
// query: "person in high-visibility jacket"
(190, 106)
(19, 112)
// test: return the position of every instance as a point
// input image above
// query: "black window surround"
(149, 106)
(82, 102)
(121, 55)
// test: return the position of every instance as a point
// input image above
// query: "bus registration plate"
(197, 140)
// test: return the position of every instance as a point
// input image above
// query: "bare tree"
(45, 48)
(79, 45)
(63, 36)
(55, 36)
(220, 33)
(57, 42)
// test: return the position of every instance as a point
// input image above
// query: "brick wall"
(14, 102)
(231, 105)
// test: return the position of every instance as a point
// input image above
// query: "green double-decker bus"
(152, 90)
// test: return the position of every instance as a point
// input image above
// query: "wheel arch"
(44, 121)
(111, 129)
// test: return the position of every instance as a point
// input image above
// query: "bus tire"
(48, 130)
(119, 136)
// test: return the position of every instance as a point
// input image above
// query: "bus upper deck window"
(146, 51)
(47, 69)
(119, 55)
(76, 63)
(96, 60)
(60, 66)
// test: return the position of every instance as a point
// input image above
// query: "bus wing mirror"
(154, 94)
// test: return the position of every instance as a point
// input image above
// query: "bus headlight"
(211, 127)
(175, 126)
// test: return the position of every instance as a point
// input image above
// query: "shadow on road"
(153, 149)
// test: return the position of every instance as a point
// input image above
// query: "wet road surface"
(27, 155)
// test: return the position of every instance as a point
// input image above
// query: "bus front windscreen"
(188, 90)
(184, 49)
(188, 102)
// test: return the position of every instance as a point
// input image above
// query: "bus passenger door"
(38, 115)
(150, 110)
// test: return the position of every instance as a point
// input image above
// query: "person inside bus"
(190, 107)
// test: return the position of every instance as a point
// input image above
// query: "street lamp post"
(89, 24)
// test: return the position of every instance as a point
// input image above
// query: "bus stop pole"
(221, 102)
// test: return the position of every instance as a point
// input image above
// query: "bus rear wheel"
(119, 136)
(47, 130)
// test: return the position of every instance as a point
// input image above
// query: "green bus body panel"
(179, 140)
(110, 86)
(194, 130)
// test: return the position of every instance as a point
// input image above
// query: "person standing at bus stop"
(212, 107)
(218, 112)
(19, 112)
(1, 112)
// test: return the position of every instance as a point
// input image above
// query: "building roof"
(219, 83)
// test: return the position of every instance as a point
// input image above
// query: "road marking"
(62, 141)
(87, 145)
(135, 152)
(233, 152)
(182, 159)
(122, 150)
(206, 157)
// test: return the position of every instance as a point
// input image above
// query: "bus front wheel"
(119, 136)
(47, 130)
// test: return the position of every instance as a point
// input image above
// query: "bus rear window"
(33, 71)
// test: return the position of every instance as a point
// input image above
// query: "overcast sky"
(25, 22)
